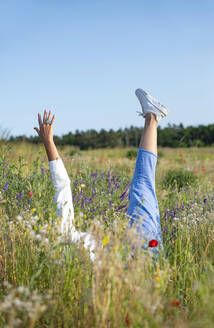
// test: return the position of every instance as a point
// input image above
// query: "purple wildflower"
(42, 171)
(205, 201)
(6, 166)
(80, 196)
(172, 213)
(109, 204)
(121, 207)
(182, 206)
(76, 183)
(123, 196)
(6, 186)
(19, 195)
(74, 197)
(109, 177)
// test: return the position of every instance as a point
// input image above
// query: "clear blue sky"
(84, 60)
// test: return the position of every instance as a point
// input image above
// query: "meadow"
(46, 281)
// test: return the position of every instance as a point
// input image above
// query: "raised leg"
(143, 210)
(149, 137)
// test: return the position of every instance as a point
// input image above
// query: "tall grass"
(45, 281)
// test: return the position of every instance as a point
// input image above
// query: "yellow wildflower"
(158, 279)
(105, 240)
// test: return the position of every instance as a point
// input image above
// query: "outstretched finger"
(45, 117)
(52, 121)
(40, 120)
(49, 115)
(37, 130)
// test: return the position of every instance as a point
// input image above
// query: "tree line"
(170, 136)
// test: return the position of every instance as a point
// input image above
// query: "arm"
(60, 178)
(61, 183)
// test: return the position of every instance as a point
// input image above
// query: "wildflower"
(82, 185)
(180, 155)
(153, 243)
(30, 194)
(38, 237)
(203, 168)
(127, 319)
(105, 240)
(158, 279)
(6, 186)
(122, 206)
(109, 177)
(124, 194)
(175, 303)
(205, 201)
(42, 171)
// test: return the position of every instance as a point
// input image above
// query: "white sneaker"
(150, 105)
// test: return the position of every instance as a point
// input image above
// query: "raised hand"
(45, 131)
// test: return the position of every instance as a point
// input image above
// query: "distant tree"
(170, 136)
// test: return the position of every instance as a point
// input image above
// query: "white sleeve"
(63, 198)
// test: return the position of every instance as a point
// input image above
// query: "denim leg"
(143, 210)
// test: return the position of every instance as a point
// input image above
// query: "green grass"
(47, 282)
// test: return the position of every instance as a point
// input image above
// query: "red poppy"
(153, 243)
(181, 155)
(203, 168)
(30, 194)
(175, 303)
(128, 320)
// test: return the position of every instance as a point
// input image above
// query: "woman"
(143, 208)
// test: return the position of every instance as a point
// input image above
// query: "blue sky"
(84, 60)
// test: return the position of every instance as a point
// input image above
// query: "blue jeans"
(143, 210)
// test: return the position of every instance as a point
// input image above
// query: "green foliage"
(160, 154)
(131, 154)
(179, 178)
(74, 152)
(170, 136)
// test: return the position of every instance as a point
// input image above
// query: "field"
(45, 281)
